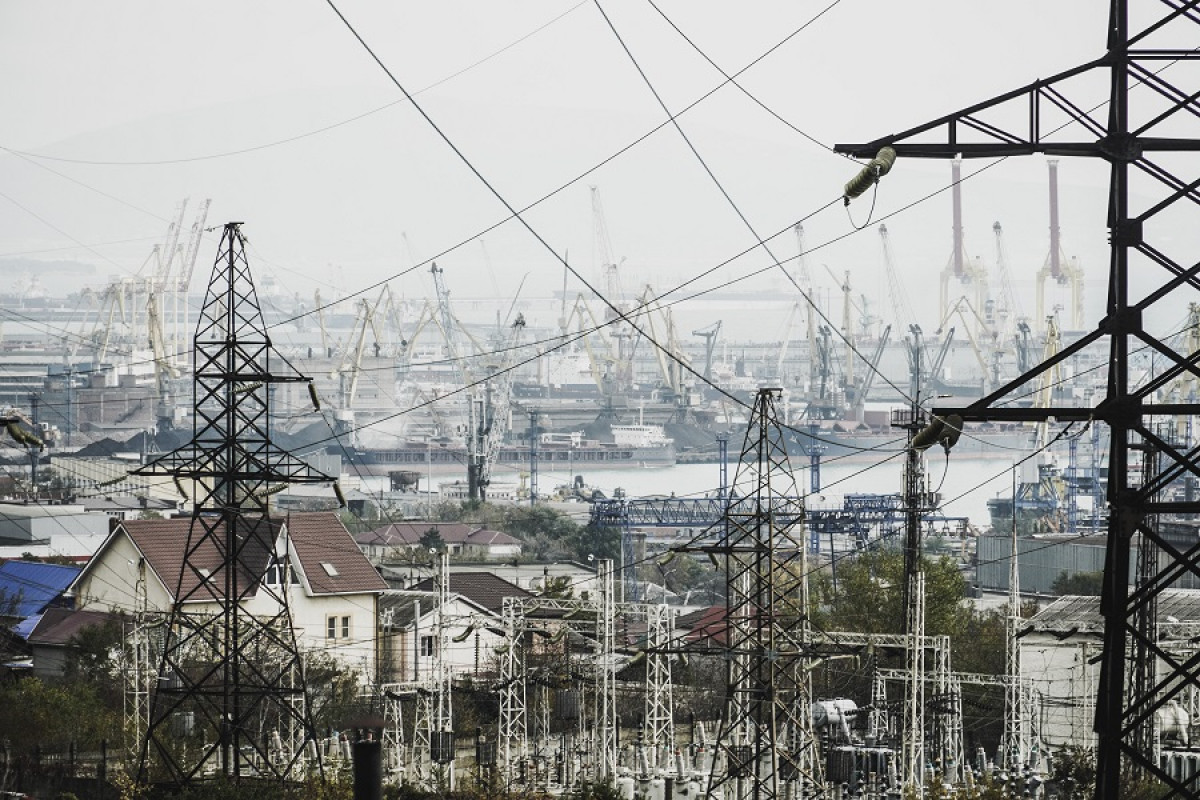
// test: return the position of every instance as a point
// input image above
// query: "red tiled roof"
(482, 588)
(165, 541)
(316, 539)
(320, 538)
(706, 625)
(58, 625)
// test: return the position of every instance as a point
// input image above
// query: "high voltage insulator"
(869, 175)
(943, 430)
(23, 437)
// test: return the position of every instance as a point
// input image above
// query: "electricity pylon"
(231, 699)
(766, 734)
(1149, 133)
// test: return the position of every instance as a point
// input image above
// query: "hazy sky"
(535, 94)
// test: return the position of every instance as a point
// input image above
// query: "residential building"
(28, 588)
(409, 638)
(471, 621)
(331, 588)
(31, 524)
(52, 638)
(396, 541)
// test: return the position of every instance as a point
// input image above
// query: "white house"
(409, 636)
(331, 588)
(1060, 649)
(410, 640)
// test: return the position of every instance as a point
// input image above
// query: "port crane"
(710, 334)
(805, 279)
(983, 344)
(1064, 272)
(603, 360)
(786, 340)
(670, 355)
(857, 395)
(961, 268)
(491, 415)
(1008, 308)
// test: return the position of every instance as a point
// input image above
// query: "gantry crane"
(805, 279)
(710, 334)
(609, 267)
(669, 355)
(491, 415)
(961, 268)
(1064, 272)
(785, 341)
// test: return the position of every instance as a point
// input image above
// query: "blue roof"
(35, 585)
(26, 626)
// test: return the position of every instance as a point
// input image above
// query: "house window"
(426, 646)
(337, 627)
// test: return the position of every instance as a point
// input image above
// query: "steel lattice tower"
(766, 735)
(231, 698)
(1149, 133)
(660, 706)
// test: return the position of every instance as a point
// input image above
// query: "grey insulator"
(875, 169)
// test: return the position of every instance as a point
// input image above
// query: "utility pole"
(234, 681)
(441, 736)
(534, 434)
(917, 503)
(659, 708)
(33, 451)
(1015, 752)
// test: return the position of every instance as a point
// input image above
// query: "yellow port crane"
(1064, 272)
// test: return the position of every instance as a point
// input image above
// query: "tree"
(559, 588)
(870, 591)
(91, 652)
(53, 715)
(432, 540)
(1082, 583)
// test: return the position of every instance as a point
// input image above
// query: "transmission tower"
(1149, 133)
(606, 690)
(660, 725)
(766, 734)
(231, 698)
(435, 708)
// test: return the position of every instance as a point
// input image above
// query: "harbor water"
(965, 484)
